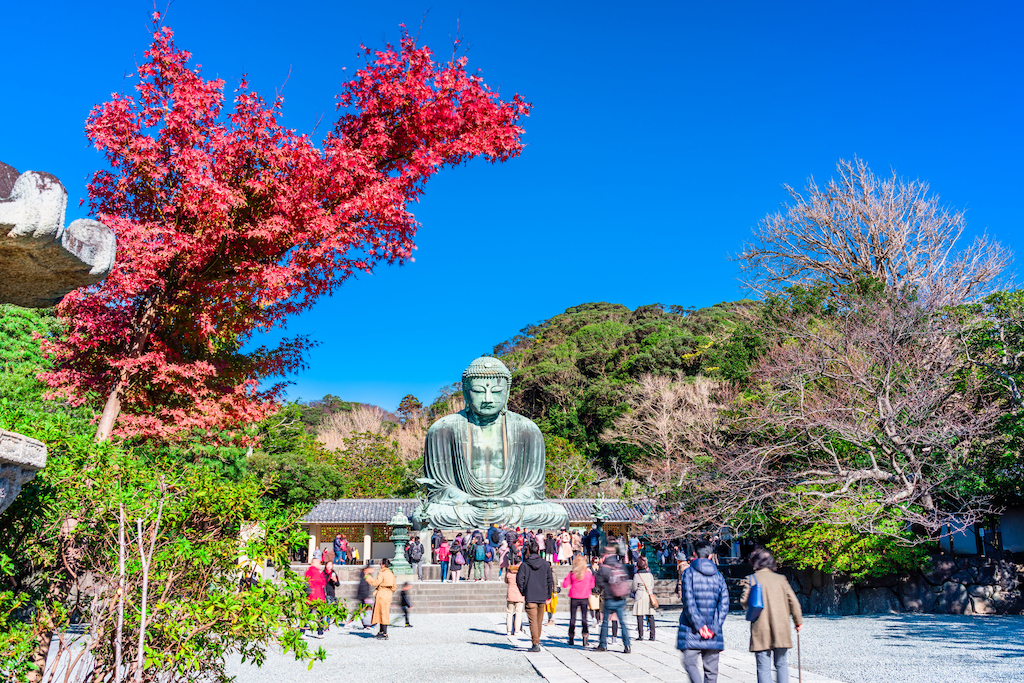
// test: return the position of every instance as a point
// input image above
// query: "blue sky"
(661, 134)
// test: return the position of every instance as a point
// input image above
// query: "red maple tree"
(228, 223)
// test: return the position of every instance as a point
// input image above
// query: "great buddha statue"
(485, 464)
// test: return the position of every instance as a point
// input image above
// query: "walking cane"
(799, 668)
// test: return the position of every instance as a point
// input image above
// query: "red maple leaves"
(227, 223)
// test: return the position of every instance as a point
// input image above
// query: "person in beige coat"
(770, 634)
(643, 589)
(385, 584)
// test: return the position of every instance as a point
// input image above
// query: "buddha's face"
(486, 396)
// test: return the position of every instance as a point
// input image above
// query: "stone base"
(20, 459)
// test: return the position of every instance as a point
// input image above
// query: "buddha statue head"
(485, 386)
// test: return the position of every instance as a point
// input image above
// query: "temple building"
(365, 522)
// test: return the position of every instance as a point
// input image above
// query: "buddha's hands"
(490, 503)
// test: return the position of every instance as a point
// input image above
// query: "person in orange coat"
(385, 584)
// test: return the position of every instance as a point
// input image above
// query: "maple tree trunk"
(112, 408)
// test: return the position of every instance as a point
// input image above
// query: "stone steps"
(430, 596)
(471, 596)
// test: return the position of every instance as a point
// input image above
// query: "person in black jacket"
(414, 556)
(406, 603)
(536, 582)
(364, 596)
(435, 544)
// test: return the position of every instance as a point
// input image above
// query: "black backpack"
(415, 553)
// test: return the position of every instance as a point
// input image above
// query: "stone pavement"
(649, 661)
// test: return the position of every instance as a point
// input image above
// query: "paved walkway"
(473, 648)
(649, 660)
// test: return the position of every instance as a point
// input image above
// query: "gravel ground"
(441, 648)
(904, 648)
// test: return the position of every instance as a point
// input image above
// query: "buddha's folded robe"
(460, 499)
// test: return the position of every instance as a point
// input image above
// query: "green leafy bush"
(62, 535)
(839, 549)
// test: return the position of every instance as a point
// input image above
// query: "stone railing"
(20, 459)
(41, 260)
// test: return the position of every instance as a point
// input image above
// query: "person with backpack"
(592, 538)
(458, 560)
(614, 582)
(494, 536)
(476, 557)
(705, 598)
(537, 583)
(488, 561)
(769, 630)
(550, 548)
(414, 555)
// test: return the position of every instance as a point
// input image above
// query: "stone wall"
(949, 585)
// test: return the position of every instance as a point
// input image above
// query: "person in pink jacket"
(580, 582)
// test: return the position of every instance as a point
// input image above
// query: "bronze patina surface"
(485, 464)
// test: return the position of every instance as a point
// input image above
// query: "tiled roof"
(359, 510)
(373, 511)
(582, 510)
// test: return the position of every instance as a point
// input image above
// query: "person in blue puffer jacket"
(705, 606)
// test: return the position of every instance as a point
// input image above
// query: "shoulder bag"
(653, 599)
(755, 600)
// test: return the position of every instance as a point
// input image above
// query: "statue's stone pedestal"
(20, 459)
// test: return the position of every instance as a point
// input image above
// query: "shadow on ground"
(999, 636)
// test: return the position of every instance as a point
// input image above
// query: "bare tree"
(337, 427)
(674, 422)
(866, 417)
(861, 226)
(411, 438)
(693, 483)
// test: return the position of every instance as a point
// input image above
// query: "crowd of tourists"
(598, 586)
(474, 555)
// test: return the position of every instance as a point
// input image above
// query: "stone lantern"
(400, 537)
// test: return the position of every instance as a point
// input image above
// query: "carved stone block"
(41, 260)
(20, 459)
